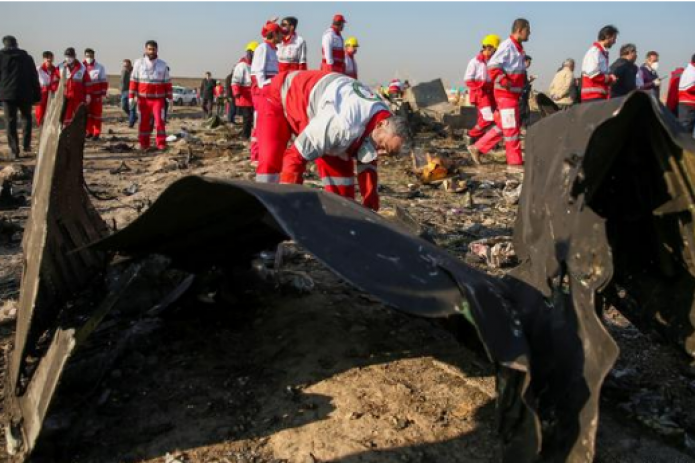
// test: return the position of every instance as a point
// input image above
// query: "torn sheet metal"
(608, 200)
(200, 222)
(606, 214)
(62, 221)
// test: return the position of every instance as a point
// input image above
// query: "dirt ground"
(327, 374)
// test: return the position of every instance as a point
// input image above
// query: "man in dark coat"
(207, 93)
(625, 70)
(19, 90)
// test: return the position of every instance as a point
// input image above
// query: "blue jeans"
(131, 113)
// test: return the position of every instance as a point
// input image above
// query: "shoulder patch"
(365, 92)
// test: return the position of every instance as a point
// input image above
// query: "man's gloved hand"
(657, 81)
(132, 102)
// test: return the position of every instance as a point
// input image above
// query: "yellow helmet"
(491, 40)
(352, 42)
(251, 46)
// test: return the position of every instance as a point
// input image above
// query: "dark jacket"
(649, 76)
(626, 72)
(207, 89)
(228, 86)
(125, 80)
(19, 80)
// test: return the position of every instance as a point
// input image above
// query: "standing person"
(626, 72)
(292, 49)
(507, 70)
(207, 93)
(76, 85)
(480, 88)
(332, 46)
(264, 67)
(97, 89)
(337, 121)
(19, 90)
(150, 89)
(563, 88)
(126, 71)
(219, 98)
(596, 73)
(241, 90)
(49, 78)
(648, 71)
(229, 96)
(351, 46)
(686, 98)
(524, 106)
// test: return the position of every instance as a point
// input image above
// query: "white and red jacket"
(48, 78)
(332, 51)
(99, 85)
(76, 81)
(478, 81)
(241, 83)
(350, 65)
(507, 69)
(292, 54)
(596, 73)
(265, 64)
(150, 79)
(686, 86)
(333, 115)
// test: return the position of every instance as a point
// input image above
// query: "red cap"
(339, 17)
(270, 27)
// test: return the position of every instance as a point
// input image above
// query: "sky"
(419, 41)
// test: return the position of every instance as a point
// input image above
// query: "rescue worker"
(264, 67)
(241, 90)
(150, 88)
(333, 47)
(480, 88)
(97, 89)
(336, 120)
(395, 89)
(672, 95)
(351, 46)
(596, 74)
(507, 70)
(49, 78)
(76, 90)
(686, 98)
(292, 49)
(218, 93)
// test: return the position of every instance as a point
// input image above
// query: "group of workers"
(497, 76)
(293, 116)
(324, 116)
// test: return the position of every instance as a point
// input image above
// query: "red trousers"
(95, 109)
(148, 108)
(41, 108)
(507, 124)
(272, 134)
(71, 105)
(486, 119)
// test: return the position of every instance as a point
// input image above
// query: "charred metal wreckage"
(606, 216)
